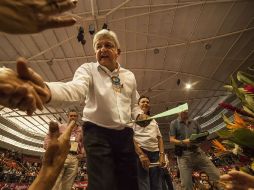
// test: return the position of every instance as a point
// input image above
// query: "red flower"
(249, 88)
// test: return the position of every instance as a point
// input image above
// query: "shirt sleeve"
(135, 109)
(75, 91)
(158, 130)
(172, 129)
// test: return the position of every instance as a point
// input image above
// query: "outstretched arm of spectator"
(31, 16)
(54, 158)
(24, 90)
(237, 180)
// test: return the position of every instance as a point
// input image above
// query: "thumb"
(27, 73)
(54, 130)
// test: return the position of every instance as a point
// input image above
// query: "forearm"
(138, 150)
(65, 94)
(160, 144)
(175, 141)
(44, 181)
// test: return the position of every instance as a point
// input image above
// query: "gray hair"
(104, 33)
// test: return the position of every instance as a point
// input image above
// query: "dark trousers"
(111, 158)
(150, 179)
(166, 180)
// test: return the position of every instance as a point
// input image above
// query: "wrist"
(48, 98)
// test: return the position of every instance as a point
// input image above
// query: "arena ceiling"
(201, 42)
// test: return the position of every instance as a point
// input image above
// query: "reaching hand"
(237, 180)
(31, 16)
(24, 90)
(54, 157)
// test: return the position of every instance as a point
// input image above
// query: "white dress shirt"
(104, 106)
(146, 137)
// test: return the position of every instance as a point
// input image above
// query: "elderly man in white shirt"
(110, 96)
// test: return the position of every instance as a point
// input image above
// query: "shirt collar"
(188, 121)
(105, 69)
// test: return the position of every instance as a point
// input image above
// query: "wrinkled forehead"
(104, 39)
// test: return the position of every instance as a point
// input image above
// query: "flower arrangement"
(241, 130)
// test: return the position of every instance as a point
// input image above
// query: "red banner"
(20, 186)
(14, 186)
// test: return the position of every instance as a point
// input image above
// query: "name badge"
(74, 146)
(72, 139)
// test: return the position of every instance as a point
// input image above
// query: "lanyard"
(116, 82)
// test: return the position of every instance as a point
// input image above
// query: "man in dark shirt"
(189, 156)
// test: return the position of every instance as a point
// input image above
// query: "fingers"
(237, 174)
(5, 91)
(58, 6)
(24, 104)
(17, 96)
(42, 92)
(38, 101)
(27, 73)
(162, 164)
(56, 22)
(54, 129)
(145, 163)
(226, 177)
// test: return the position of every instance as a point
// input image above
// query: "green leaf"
(245, 78)
(249, 102)
(226, 119)
(248, 110)
(228, 143)
(229, 88)
(225, 133)
(243, 137)
(236, 90)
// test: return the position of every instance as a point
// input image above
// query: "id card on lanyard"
(74, 144)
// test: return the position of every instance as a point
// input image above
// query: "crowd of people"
(15, 169)
(114, 160)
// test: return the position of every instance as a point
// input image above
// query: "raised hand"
(24, 90)
(31, 16)
(237, 180)
(54, 157)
